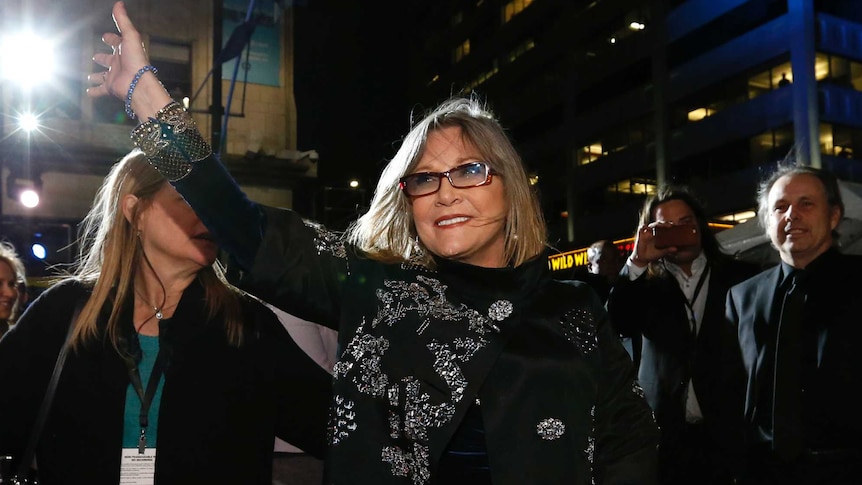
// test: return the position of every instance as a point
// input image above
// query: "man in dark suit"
(605, 262)
(803, 426)
(668, 306)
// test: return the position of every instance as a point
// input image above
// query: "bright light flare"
(28, 122)
(26, 59)
(29, 198)
(39, 250)
(354, 184)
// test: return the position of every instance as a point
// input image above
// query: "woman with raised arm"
(461, 360)
(173, 376)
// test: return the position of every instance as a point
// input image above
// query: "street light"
(26, 59)
(22, 188)
(28, 122)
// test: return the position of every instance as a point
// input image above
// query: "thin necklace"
(157, 311)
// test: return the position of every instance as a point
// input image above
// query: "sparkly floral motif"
(406, 464)
(500, 310)
(327, 241)
(426, 297)
(342, 419)
(579, 325)
(364, 351)
(414, 409)
(550, 429)
(394, 423)
(420, 413)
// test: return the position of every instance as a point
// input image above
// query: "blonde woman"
(460, 361)
(12, 281)
(174, 376)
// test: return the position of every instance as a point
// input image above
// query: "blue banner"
(263, 60)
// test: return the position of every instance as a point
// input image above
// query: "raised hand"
(645, 251)
(127, 57)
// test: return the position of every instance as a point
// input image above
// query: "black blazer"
(651, 312)
(834, 326)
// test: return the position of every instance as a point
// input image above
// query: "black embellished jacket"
(417, 348)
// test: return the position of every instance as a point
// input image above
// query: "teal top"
(132, 423)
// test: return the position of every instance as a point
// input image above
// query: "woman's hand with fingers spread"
(126, 59)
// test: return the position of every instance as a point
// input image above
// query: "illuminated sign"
(578, 257)
(568, 260)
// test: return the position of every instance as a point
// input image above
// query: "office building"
(609, 98)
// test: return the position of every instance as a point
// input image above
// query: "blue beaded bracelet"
(134, 84)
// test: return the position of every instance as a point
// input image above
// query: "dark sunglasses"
(473, 174)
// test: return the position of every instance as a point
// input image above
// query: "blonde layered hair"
(9, 256)
(111, 255)
(387, 231)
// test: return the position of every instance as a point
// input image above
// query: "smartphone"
(679, 235)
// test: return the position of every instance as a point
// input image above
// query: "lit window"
(514, 8)
(483, 77)
(738, 217)
(821, 66)
(634, 186)
(462, 50)
(700, 113)
(590, 153)
(523, 48)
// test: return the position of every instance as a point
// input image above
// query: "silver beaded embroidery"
(414, 410)
(327, 241)
(365, 351)
(590, 452)
(394, 423)
(550, 429)
(420, 414)
(342, 419)
(406, 464)
(500, 310)
(579, 325)
(428, 298)
(637, 389)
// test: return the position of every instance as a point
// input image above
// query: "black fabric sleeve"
(236, 222)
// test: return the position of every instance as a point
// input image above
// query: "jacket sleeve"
(236, 222)
(626, 433)
(625, 302)
(301, 268)
(277, 256)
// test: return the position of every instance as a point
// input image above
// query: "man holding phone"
(668, 306)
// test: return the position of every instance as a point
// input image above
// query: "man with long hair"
(668, 305)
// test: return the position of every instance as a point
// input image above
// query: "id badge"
(137, 468)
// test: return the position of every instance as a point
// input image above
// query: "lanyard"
(690, 303)
(146, 397)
